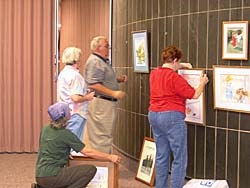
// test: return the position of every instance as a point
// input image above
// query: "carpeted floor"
(18, 171)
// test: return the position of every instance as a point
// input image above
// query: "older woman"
(54, 148)
(168, 94)
(72, 89)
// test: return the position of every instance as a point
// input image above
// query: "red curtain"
(81, 20)
(26, 73)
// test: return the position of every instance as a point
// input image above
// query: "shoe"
(34, 185)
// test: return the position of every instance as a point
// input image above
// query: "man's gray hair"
(95, 43)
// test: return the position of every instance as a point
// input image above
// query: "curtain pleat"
(81, 20)
(27, 72)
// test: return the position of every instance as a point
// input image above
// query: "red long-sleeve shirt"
(168, 91)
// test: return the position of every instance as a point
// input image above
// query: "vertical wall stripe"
(188, 27)
(238, 161)
(195, 151)
(205, 129)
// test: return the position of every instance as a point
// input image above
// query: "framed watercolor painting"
(235, 40)
(195, 110)
(146, 168)
(232, 88)
(140, 51)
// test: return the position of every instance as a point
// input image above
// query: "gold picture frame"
(232, 88)
(235, 40)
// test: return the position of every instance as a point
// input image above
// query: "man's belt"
(106, 98)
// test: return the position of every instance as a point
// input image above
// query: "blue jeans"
(76, 125)
(170, 134)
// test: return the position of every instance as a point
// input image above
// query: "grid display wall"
(218, 150)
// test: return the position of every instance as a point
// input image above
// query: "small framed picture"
(146, 167)
(232, 88)
(235, 40)
(140, 51)
(195, 110)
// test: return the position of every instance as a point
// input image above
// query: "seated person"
(54, 150)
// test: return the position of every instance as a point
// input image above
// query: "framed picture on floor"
(140, 51)
(232, 88)
(195, 110)
(146, 168)
(235, 40)
(106, 175)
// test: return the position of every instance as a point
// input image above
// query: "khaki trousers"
(98, 133)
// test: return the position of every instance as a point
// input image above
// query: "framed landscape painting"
(232, 88)
(235, 40)
(146, 168)
(195, 110)
(140, 51)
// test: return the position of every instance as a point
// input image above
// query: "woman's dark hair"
(170, 53)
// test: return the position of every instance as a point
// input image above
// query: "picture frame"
(232, 88)
(195, 108)
(140, 51)
(235, 40)
(106, 175)
(146, 167)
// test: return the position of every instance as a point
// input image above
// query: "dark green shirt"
(54, 150)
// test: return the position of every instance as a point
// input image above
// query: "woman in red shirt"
(168, 94)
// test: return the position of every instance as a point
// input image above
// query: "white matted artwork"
(146, 167)
(140, 51)
(235, 40)
(232, 88)
(76, 154)
(194, 107)
(100, 179)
